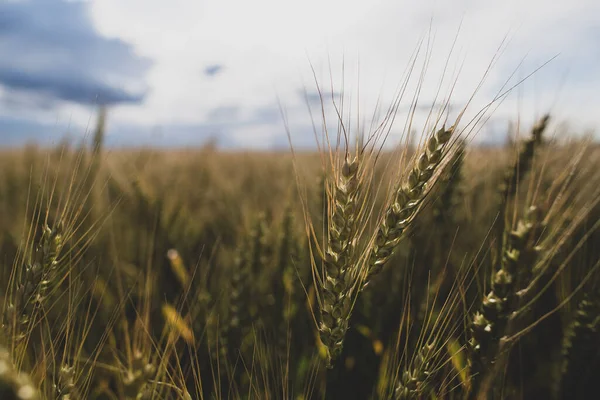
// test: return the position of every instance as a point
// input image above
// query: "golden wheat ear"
(37, 279)
(339, 261)
(408, 199)
(488, 324)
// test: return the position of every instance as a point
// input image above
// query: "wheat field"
(441, 270)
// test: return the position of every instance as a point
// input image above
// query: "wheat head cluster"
(429, 269)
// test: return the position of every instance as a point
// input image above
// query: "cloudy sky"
(180, 72)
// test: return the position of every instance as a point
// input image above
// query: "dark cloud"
(50, 47)
(213, 70)
(77, 88)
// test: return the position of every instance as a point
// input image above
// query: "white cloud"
(265, 46)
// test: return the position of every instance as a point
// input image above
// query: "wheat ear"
(65, 388)
(136, 380)
(33, 287)
(488, 325)
(414, 382)
(339, 260)
(407, 201)
(580, 348)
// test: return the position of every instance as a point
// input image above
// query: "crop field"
(439, 270)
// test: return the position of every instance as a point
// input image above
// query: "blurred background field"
(197, 261)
